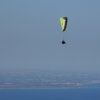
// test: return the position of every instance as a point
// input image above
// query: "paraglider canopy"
(63, 23)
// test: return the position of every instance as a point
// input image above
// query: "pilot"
(63, 42)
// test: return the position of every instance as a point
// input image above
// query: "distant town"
(29, 78)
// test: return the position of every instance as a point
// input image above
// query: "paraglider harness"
(63, 42)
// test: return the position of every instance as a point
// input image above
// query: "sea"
(83, 93)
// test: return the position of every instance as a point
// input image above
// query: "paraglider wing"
(63, 23)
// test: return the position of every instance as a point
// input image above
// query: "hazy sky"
(30, 34)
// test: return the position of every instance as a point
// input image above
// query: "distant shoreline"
(84, 85)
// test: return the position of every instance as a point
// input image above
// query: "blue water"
(50, 94)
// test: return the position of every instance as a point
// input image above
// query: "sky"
(30, 34)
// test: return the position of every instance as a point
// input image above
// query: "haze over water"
(30, 35)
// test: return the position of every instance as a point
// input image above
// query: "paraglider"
(63, 24)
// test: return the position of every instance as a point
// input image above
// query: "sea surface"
(50, 94)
